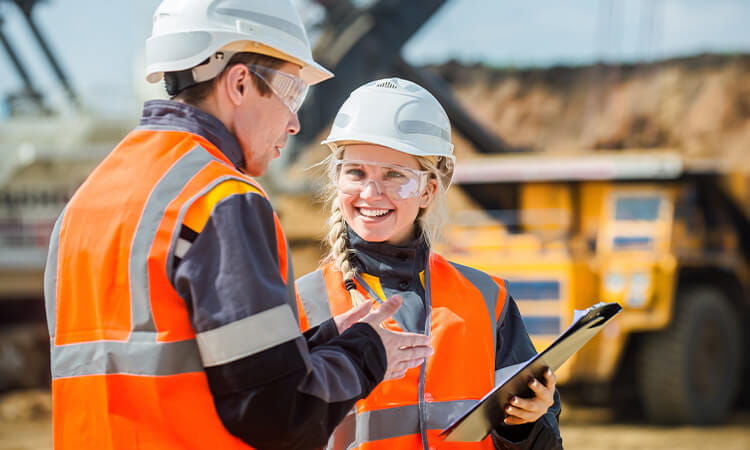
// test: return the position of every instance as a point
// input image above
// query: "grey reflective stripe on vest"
(230, 342)
(489, 290)
(50, 276)
(139, 357)
(142, 354)
(291, 290)
(314, 297)
(399, 421)
(265, 19)
(163, 193)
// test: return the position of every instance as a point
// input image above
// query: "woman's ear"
(429, 193)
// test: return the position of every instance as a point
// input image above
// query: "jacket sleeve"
(514, 346)
(272, 387)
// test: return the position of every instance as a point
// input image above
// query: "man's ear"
(235, 83)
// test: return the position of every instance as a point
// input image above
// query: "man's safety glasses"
(291, 90)
(397, 182)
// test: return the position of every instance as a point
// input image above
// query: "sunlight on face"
(373, 214)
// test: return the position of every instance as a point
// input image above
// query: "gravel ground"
(25, 425)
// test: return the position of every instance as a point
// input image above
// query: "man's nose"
(293, 126)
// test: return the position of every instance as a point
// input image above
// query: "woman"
(392, 160)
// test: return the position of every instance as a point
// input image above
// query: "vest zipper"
(423, 371)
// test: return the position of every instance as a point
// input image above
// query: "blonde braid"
(340, 252)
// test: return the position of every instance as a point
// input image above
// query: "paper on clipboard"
(476, 423)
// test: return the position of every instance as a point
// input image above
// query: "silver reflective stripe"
(506, 304)
(50, 277)
(421, 127)
(139, 357)
(314, 297)
(489, 290)
(291, 293)
(163, 193)
(404, 420)
(248, 336)
(265, 19)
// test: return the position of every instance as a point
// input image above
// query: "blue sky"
(99, 42)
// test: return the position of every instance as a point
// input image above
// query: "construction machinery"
(46, 154)
(667, 238)
(664, 237)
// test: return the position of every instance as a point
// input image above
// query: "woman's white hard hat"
(398, 114)
(188, 32)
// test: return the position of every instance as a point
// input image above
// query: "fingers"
(525, 410)
(516, 413)
(415, 353)
(513, 420)
(411, 340)
(352, 316)
(399, 369)
(539, 390)
(359, 312)
(550, 379)
(385, 311)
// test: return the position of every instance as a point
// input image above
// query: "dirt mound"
(25, 405)
(698, 105)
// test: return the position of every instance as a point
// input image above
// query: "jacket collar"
(386, 260)
(171, 115)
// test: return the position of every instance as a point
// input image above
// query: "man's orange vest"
(127, 373)
(464, 308)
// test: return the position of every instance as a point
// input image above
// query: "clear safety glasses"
(291, 90)
(397, 182)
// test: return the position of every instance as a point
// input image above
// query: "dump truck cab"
(639, 229)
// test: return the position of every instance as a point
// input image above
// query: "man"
(169, 288)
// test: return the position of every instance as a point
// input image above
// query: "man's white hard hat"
(398, 114)
(188, 32)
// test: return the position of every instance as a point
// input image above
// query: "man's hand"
(349, 318)
(528, 410)
(403, 350)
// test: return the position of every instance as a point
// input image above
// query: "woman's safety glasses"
(397, 182)
(291, 90)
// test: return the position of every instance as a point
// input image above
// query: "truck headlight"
(640, 286)
(614, 283)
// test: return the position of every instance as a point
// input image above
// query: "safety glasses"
(397, 182)
(291, 90)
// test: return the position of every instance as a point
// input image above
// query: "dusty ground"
(25, 425)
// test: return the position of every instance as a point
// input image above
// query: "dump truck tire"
(690, 372)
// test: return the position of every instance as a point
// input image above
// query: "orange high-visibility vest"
(127, 373)
(465, 306)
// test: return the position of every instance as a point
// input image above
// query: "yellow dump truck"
(666, 238)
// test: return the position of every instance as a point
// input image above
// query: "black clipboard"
(476, 423)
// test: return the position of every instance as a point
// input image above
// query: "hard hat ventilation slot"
(387, 84)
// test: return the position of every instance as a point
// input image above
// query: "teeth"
(373, 212)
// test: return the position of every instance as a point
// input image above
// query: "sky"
(99, 43)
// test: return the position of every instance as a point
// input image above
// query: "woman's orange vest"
(399, 414)
(127, 373)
